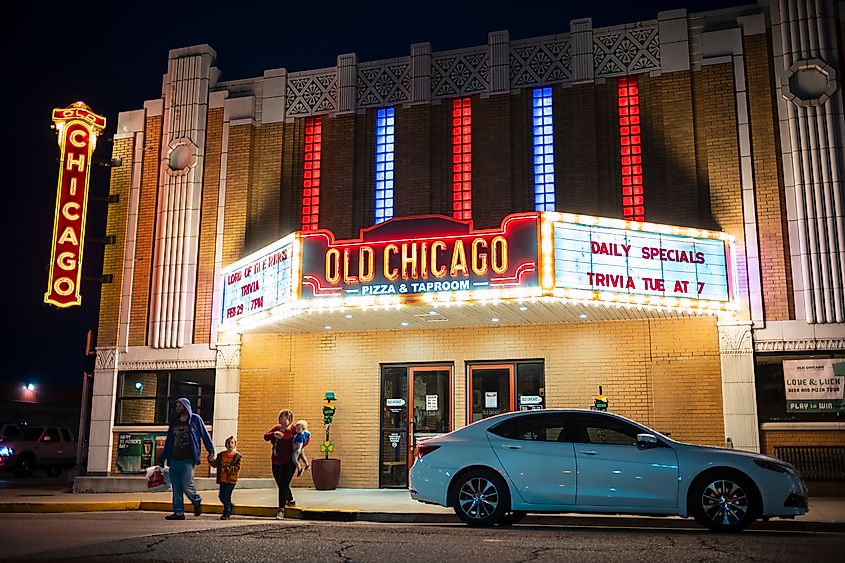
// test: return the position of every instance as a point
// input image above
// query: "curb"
(345, 515)
(51, 507)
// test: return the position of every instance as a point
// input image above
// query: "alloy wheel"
(478, 498)
(724, 502)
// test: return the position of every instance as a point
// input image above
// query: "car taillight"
(424, 449)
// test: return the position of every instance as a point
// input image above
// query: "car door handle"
(588, 452)
(511, 447)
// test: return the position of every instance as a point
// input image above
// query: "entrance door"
(416, 403)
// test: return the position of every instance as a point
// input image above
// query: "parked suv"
(52, 448)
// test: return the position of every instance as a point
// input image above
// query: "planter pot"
(325, 473)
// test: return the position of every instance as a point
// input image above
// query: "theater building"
(655, 208)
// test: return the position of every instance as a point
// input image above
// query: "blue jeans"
(226, 497)
(182, 481)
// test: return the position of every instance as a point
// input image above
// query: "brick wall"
(522, 152)
(293, 135)
(718, 152)
(772, 235)
(264, 186)
(337, 175)
(669, 151)
(208, 226)
(144, 238)
(769, 439)
(492, 197)
(413, 194)
(576, 154)
(238, 172)
(663, 373)
(110, 293)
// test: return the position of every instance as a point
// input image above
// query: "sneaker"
(290, 503)
(280, 515)
(175, 516)
(299, 471)
(197, 508)
(224, 517)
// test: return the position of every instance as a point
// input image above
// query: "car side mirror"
(646, 441)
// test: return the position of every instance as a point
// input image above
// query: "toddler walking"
(300, 440)
(228, 464)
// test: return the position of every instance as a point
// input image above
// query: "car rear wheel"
(724, 502)
(481, 498)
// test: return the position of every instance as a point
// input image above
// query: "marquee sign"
(77, 128)
(421, 255)
(609, 256)
(260, 281)
(435, 258)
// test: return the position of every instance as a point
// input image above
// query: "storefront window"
(774, 404)
(504, 387)
(148, 397)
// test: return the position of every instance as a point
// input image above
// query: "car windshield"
(11, 433)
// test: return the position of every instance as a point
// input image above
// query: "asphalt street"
(140, 536)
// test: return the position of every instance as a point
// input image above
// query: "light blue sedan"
(496, 470)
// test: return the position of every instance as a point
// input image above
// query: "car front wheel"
(724, 502)
(25, 466)
(481, 498)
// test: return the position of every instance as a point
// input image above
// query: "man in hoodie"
(182, 450)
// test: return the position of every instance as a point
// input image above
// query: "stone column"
(581, 32)
(421, 73)
(499, 44)
(227, 386)
(739, 396)
(102, 411)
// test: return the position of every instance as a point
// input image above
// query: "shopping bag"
(158, 478)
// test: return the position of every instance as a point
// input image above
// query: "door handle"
(588, 452)
(514, 447)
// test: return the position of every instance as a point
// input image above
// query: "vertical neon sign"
(633, 208)
(77, 128)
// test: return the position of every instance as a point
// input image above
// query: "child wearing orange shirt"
(228, 466)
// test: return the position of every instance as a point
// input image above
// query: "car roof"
(486, 423)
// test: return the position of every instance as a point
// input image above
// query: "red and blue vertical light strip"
(462, 159)
(630, 149)
(385, 143)
(311, 173)
(544, 150)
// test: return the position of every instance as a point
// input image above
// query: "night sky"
(113, 57)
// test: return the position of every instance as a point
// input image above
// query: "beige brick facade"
(121, 178)
(140, 306)
(666, 373)
(768, 180)
(208, 226)
(663, 373)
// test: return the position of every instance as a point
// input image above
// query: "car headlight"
(774, 466)
(6, 451)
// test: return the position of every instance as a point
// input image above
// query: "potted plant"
(326, 471)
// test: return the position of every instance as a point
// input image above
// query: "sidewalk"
(373, 505)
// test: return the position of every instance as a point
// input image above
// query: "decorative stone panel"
(629, 50)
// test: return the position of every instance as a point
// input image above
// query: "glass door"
(394, 427)
(416, 404)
